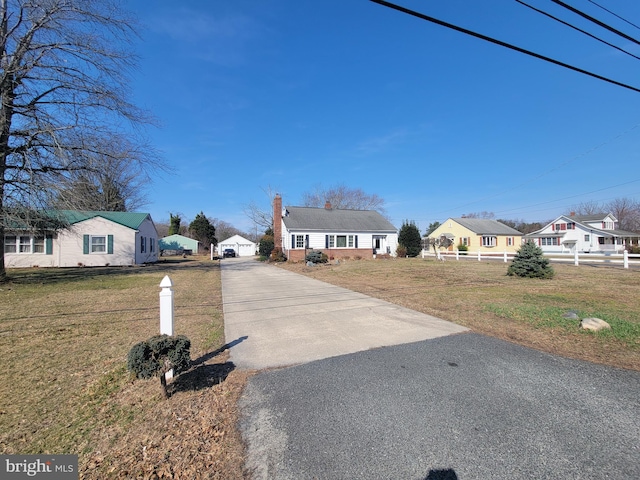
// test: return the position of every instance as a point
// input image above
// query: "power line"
(576, 28)
(595, 20)
(614, 14)
(501, 43)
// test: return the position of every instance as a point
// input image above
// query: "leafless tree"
(588, 208)
(484, 215)
(64, 71)
(260, 216)
(343, 197)
(627, 211)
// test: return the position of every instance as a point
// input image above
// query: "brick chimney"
(277, 221)
(327, 205)
(572, 214)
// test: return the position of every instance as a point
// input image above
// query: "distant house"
(178, 244)
(583, 233)
(93, 239)
(336, 232)
(240, 245)
(478, 234)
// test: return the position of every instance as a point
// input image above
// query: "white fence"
(624, 259)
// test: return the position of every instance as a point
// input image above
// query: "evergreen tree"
(409, 237)
(202, 230)
(174, 224)
(530, 262)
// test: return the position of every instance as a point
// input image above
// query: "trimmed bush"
(159, 354)
(530, 262)
(401, 251)
(316, 257)
(462, 249)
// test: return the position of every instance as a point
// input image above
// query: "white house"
(336, 232)
(583, 233)
(92, 239)
(242, 246)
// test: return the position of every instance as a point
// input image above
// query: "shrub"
(633, 249)
(530, 262)
(409, 237)
(265, 247)
(401, 251)
(462, 249)
(159, 354)
(277, 255)
(316, 257)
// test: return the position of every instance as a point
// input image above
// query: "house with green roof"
(91, 239)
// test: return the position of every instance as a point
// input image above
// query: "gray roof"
(597, 217)
(336, 220)
(483, 226)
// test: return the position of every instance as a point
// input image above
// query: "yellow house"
(477, 234)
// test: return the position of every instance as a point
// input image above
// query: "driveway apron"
(275, 318)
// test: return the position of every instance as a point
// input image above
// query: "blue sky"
(293, 95)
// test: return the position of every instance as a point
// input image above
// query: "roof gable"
(238, 239)
(336, 220)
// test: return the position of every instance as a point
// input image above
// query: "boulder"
(593, 324)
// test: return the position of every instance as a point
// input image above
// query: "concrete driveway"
(428, 405)
(276, 318)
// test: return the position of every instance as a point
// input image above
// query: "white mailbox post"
(166, 312)
(166, 306)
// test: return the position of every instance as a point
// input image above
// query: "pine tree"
(409, 237)
(530, 262)
(202, 230)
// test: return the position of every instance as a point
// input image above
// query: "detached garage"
(242, 246)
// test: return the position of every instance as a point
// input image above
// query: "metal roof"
(336, 220)
(131, 220)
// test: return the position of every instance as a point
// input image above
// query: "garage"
(242, 246)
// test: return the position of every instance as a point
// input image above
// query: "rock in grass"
(593, 324)
(571, 314)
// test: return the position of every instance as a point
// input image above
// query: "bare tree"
(260, 216)
(225, 230)
(484, 215)
(588, 208)
(64, 100)
(343, 197)
(627, 211)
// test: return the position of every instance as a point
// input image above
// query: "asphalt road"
(461, 407)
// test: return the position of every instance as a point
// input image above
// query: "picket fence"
(624, 259)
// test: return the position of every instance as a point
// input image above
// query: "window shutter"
(356, 241)
(110, 244)
(293, 241)
(306, 241)
(48, 245)
(326, 241)
(85, 244)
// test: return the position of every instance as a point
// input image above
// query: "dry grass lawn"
(65, 334)
(530, 312)
(64, 338)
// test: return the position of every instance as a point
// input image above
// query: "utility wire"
(502, 44)
(595, 20)
(615, 14)
(576, 28)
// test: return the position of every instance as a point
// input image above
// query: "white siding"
(147, 230)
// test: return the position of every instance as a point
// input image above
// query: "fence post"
(166, 312)
(457, 254)
(575, 258)
(505, 256)
(479, 257)
(625, 257)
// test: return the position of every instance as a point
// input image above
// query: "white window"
(98, 244)
(38, 244)
(10, 244)
(509, 241)
(489, 241)
(25, 244)
(299, 241)
(586, 238)
(342, 241)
